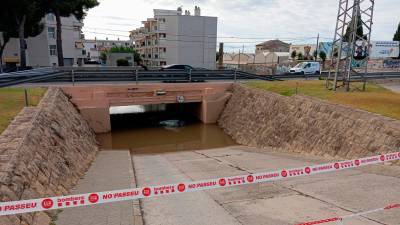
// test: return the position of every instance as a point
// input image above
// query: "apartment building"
(42, 50)
(174, 37)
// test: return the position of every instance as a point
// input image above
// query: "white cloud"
(291, 20)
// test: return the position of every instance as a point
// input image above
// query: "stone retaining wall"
(303, 124)
(43, 152)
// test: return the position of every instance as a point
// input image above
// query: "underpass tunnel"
(157, 128)
(140, 116)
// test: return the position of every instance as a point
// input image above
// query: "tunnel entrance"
(141, 116)
(159, 128)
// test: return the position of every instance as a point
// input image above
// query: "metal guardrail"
(115, 74)
(29, 76)
(110, 74)
(373, 75)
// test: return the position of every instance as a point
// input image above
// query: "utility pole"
(239, 60)
(221, 56)
(343, 50)
(317, 50)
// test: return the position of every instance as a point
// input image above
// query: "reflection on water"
(194, 136)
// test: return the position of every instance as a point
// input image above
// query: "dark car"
(177, 67)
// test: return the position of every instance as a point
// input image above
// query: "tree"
(66, 8)
(360, 31)
(8, 30)
(300, 56)
(315, 53)
(125, 49)
(396, 36)
(103, 57)
(322, 55)
(293, 54)
(20, 19)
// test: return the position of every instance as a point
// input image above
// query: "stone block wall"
(304, 124)
(43, 152)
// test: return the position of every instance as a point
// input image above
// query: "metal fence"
(114, 74)
(130, 74)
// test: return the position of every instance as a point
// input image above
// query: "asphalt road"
(394, 87)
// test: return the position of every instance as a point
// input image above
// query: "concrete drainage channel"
(262, 120)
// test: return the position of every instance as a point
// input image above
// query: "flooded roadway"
(193, 136)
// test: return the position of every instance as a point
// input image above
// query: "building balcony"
(77, 24)
(162, 27)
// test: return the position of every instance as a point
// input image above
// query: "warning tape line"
(61, 202)
(389, 207)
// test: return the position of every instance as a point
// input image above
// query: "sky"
(242, 23)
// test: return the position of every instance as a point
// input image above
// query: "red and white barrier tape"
(342, 219)
(42, 204)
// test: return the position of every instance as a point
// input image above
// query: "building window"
(53, 50)
(162, 20)
(51, 31)
(163, 35)
(50, 17)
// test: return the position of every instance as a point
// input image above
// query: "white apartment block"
(42, 50)
(172, 37)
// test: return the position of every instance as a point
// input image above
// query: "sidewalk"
(111, 170)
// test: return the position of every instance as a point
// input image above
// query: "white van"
(306, 68)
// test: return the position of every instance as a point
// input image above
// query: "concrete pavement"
(279, 203)
(110, 171)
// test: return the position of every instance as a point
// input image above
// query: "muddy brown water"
(147, 140)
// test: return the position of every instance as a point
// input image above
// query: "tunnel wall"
(303, 124)
(43, 152)
(94, 101)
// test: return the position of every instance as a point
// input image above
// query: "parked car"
(306, 68)
(172, 123)
(92, 62)
(177, 67)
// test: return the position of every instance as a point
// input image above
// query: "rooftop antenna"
(350, 47)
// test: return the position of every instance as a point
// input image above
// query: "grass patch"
(12, 100)
(375, 99)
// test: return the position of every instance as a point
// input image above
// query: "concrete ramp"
(111, 170)
(196, 208)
